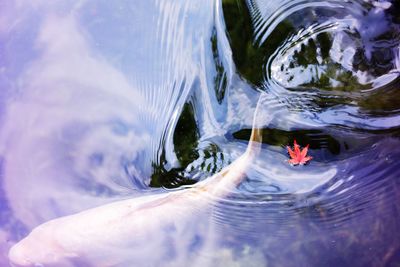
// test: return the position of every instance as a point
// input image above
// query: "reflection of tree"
(192, 159)
(384, 101)
(320, 71)
(185, 143)
(314, 60)
(250, 58)
(315, 138)
(220, 79)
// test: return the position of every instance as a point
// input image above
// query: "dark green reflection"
(185, 143)
(327, 75)
(194, 161)
(220, 79)
(248, 56)
(383, 101)
(315, 138)
(186, 136)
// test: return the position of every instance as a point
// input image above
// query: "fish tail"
(227, 179)
(256, 137)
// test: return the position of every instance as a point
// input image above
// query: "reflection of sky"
(88, 90)
(82, 73)
(85, 87)
(65, 98)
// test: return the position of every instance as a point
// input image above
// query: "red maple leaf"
(296, 156)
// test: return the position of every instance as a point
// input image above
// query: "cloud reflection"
(65, 115)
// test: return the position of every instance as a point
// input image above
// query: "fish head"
(40, 248)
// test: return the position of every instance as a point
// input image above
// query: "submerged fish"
(133, 231)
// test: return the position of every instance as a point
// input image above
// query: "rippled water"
(105, 101)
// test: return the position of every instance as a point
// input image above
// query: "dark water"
(103, 101)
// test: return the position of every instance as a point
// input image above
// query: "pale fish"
(144, 231)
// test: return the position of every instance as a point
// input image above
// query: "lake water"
(104, 101)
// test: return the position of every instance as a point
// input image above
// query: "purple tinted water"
(96, 98)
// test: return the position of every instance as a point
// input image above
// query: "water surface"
(103, 101)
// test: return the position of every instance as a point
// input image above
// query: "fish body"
(134, 230)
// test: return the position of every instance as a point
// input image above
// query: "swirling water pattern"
(104, 101)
